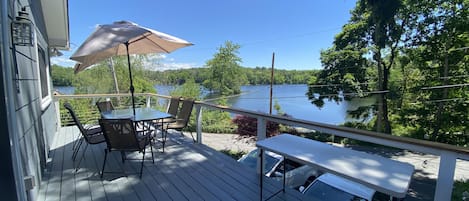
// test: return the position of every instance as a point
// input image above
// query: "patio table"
(145, 115)
(379, 173)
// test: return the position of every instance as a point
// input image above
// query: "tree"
(375, 29)
(62, 76)
(437, 43)
(98, 79)
(225, 72)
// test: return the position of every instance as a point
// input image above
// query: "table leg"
(261, 174)
(284, 173)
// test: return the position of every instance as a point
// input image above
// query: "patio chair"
(105, 106)
(91, 134)
(173, 106)
(121, 135)
(182, 118)
(173, 109)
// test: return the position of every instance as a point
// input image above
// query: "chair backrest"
(76, 120)
(185, 113)
(173, 106)
(104, 106)
(120, 134)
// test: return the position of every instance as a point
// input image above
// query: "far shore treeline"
(64, 76)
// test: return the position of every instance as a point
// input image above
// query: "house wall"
(33, 115)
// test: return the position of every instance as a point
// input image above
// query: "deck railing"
(448, 153)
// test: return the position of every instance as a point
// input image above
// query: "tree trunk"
(379, 118)
(382, 121)
(384, 94)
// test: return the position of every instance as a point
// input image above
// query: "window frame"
(39, 45)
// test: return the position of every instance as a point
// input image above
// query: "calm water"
(291, 98)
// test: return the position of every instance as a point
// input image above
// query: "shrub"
(247, 126)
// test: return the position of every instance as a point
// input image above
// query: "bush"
(460, 190)
(233, 154)
(247, 126)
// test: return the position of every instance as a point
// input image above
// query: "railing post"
(198, 119)
(148, 101)
(445, 181)
(57, 111)
(261, 128)
(261, 134)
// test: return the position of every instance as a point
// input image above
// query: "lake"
(291, 98)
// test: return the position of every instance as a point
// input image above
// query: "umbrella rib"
(145, 36)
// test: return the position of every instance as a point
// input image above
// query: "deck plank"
(185, 171)
(67, 189)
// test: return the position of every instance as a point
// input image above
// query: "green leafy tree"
(188, 89)
(437, 43)
(62, 76)
(374, 30)
(99, 79)
(225, 72)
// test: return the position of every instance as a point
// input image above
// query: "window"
(44, 77)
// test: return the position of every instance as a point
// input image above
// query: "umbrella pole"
(130, 76)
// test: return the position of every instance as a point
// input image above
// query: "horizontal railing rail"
(448, 153)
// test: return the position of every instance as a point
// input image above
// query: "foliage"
(407, 49)
(374, 29)
(254, 76)
(213, 121)
(460, 190)
(247, 126)
(62, 76)
(217, 121)
(225, 75)
(233, 154)
(188, 89)
(435, 48)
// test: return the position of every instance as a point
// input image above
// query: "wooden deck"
(185, 171)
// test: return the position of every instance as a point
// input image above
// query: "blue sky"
(295, 30)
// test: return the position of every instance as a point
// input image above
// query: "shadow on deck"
(185, 171)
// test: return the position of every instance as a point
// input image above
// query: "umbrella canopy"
(123, 38)
(111, 39)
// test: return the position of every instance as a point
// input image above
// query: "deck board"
(185, 171)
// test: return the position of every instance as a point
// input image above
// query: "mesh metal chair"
(105, 106)
(91, 134)
(121, 135)
(173, 106)
(182, 118)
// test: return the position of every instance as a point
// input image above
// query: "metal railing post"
(445, 181)
(198, 119)
(261, 128)
(261, 134)
(57, 112)
(148, 101)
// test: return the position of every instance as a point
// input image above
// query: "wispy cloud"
(161, 62)
(62, 61)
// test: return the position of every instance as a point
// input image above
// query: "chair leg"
(77, 148)
(104, 163)
(151, 149)
(164, 132)
(143, 159)
(123, 156)
(75, 142)
(81, 158)
(193, 139)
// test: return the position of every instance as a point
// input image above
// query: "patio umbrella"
(123, 38)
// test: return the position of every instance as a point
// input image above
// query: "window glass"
(44, 77)
(43, 73)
